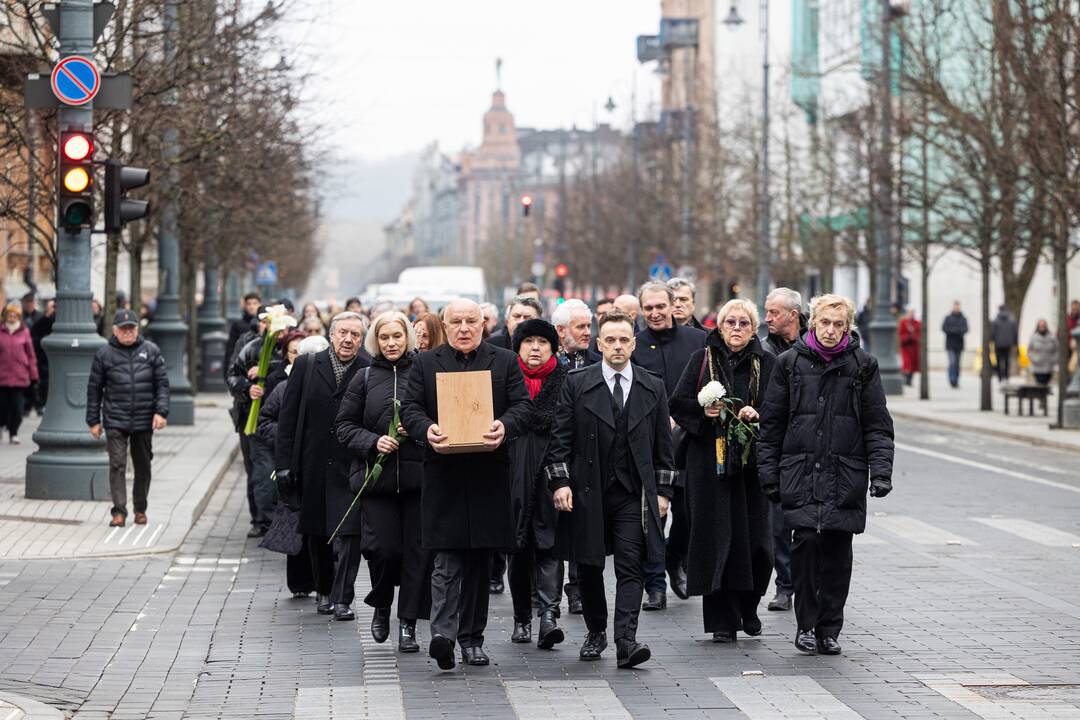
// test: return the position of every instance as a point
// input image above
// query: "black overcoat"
(535, 516)
(730, 547)
(825, 434)
(365, 415)
(584, 429)
(465, 498)
(319, 459)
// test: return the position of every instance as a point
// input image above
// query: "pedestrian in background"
(909, 332)
(955, 328)
(418, 306)
(730, 558)
(311, 310)
(491, 318)
(41, 330)
(826, 434)
(18, 369)
(1004, 333)
(312, 325)
(520, 308)
(128, 394)
(429, 332)
(1042, 352)
(1074, 315)
(240, 327)
(684, 295)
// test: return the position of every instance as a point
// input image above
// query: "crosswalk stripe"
(564, 699)
(357, 702)
(958, 687)
(782, 697)
(1033, 531)
(917, 531)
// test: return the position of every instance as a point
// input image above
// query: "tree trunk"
(986, 401)
(188, 311)
(1061, 275)
(924, 333)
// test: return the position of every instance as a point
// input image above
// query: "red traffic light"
(526, 200)
(562, 270)
(77, 146)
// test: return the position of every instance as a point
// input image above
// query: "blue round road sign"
(75, 81)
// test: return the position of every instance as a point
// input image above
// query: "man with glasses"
(465, 510)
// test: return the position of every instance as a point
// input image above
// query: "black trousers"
(821, 571)
(679, 536)
(498, 566)
(459, 595)
(261, 486)
(535, 578)
(299, 575)
(725, 610)
(781, 537)
(346, 567)
(249, 470)
(116, 443)
(11, 407)
(622, 520)
(571, 587)
(322, 563)
(390, 541)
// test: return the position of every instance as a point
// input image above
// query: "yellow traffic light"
(76, 180)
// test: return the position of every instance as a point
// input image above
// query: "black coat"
(236, 378)
(666, 352)
(133, 382)
(237, 330)
(465, 498)
(536, 518)
(266, 428)
(314, 457)
(825, 433)
(730, 547)
(500, 338)
(583, 432)
(365, 415)
(955, 328)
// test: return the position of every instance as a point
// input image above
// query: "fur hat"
(535, 328)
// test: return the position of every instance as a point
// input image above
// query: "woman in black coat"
(730, 558)
(534, 565)
(389, 508)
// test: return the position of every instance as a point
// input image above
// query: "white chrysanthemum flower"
(713, 392)
(278, 318)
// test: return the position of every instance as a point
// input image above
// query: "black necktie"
(617, 392)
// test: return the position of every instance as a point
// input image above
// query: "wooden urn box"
(465, 409)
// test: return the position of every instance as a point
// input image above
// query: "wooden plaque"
(465, 409)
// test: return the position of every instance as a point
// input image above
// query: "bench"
(1030, 392)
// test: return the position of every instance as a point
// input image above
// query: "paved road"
(963, 606)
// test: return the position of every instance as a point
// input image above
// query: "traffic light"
(526, 203)
(75, 195)
(562, 270)
(120, 178)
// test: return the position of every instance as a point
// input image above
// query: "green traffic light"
(77, 214)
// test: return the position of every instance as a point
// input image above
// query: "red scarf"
(534, 378)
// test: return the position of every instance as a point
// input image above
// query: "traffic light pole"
(168, 328)
(69, 463)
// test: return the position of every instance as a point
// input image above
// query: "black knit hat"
(535, 328)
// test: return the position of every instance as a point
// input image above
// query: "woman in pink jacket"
(18, 368)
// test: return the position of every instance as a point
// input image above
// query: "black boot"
(550, 632)
(380, 624)
(522, 632)
(407, 637)
(654, 601)
(629, 653)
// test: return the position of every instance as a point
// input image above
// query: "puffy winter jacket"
(1042, 352)
(238, 382)
(133, 383)
(18, 365)
(826, 433)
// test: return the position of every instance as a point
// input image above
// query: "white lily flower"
(278, 318)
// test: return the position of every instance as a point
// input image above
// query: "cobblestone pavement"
(962, 606)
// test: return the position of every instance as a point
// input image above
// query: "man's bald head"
(628, 304)
(464, 322)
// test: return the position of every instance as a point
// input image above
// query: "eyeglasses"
(733, 323)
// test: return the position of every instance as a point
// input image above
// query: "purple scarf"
(827, 354)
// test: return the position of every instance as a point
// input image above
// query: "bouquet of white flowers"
(713, 392)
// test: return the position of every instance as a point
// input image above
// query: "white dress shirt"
(625, 381)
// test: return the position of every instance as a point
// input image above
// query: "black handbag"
(284, 533)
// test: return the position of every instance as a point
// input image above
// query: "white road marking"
(557, 699)
(1036, 532)
(154, 537)
(987, 467)
(112, 533)
(125, 535)
(137, 538)
(916, 531)
(357, 702)
(783, 697)
(958, 688)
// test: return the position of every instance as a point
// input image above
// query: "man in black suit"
(465, 502)
(609, 466)
(311, 461)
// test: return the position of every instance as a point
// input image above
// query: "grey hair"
(526, 301)
(348, 315)
(563, 313)
(371, 340)
(677, 283)
(792, 300)
(312, 344)
(655, 286)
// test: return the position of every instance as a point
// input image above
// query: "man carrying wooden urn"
(465, 495)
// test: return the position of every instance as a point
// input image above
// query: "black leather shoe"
(441, 649)
(496, 587)
(827, 645)
(522, 632)
(574, 605)
(407, 637)
(323, 606)
(751, 625)
(781, 602)
(629, 653)
(806, 642)
(723, 636)
(550, 632)
(677, 579)
(595, 643)
(380, 624)
(474, 656)
(256, 531)
(343, 612)
(655, 601)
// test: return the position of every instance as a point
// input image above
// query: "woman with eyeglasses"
(729, 562)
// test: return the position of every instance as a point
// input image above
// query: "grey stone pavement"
(963, 605)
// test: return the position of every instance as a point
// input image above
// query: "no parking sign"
(75, 80)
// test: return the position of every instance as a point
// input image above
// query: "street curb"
(32, 709)
(953, 425)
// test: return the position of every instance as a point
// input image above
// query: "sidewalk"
(188, 465)
(16, 707)
(959, 408)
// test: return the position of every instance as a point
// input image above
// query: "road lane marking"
(558, 699)
(349, 703)
(997, 703)
(1033, 531)
(917, 531)
(987, 467)
(783, 697)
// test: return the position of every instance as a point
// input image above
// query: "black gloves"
(773, 494)
(880, 487)
(288, 492)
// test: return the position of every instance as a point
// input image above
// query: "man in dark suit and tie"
(465, 501)
(609, 467)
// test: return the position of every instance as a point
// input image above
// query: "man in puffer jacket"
(128, 378)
